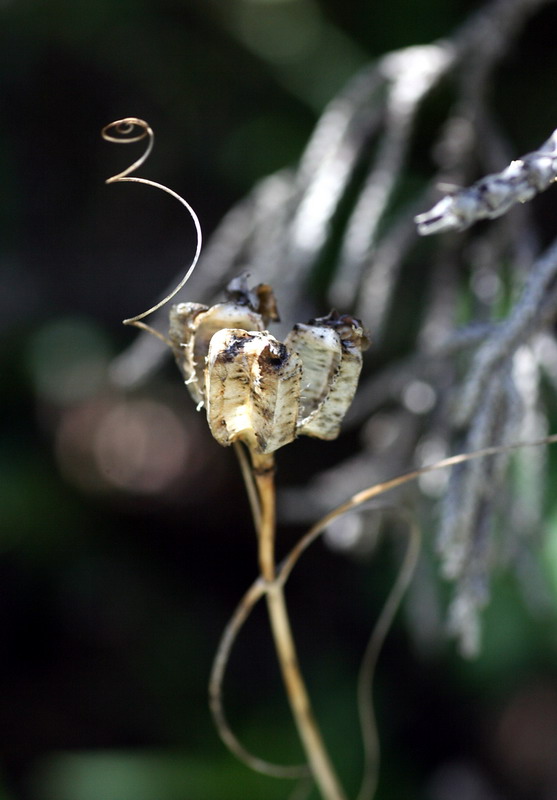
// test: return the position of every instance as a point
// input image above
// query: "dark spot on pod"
(260, 299)
(277, 357)
(235, 347)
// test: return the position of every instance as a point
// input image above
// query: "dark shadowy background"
(116, 580)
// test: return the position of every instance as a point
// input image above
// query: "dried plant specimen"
(261, 393)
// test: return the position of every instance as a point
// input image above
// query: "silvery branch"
(493, 195)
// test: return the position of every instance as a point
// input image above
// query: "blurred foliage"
(113, 600)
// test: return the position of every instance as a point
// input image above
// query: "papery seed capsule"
(192, 327)
(320, 349)
(261, 298)
(252, 390)
(181, 331)
(325, 421)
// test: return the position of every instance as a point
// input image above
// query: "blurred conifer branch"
(494, 195)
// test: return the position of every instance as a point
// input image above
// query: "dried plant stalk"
(300, 704)
(282, 573)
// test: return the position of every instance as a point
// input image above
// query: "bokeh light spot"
(137, 446)
(419, 397)
(430, 450)
(140, 446)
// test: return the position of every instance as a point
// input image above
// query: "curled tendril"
(127, 131)
(120, 132)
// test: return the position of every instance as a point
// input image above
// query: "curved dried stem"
(122, 131)
(321, 766)
(249, 483)
(260, 588)
(370, 739)
(366, 495)
(260, 488)
(243, 610)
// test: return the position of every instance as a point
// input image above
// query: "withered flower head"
(256, 389)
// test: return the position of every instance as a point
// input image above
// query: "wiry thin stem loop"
(368, 725)
(122, 132)
(243, 610)
(366, 495)
(261, 587)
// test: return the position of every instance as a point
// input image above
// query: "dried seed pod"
(192, 327)
(325, 419)
(261, 298)
(181, 335)
(252, 390)
(320, 349)
(256, 389)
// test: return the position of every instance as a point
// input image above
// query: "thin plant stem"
(264, 476)
(252, 596)
(249, 483)
(368, 725)
(282, 573)
(377, 489)
(320, 763)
